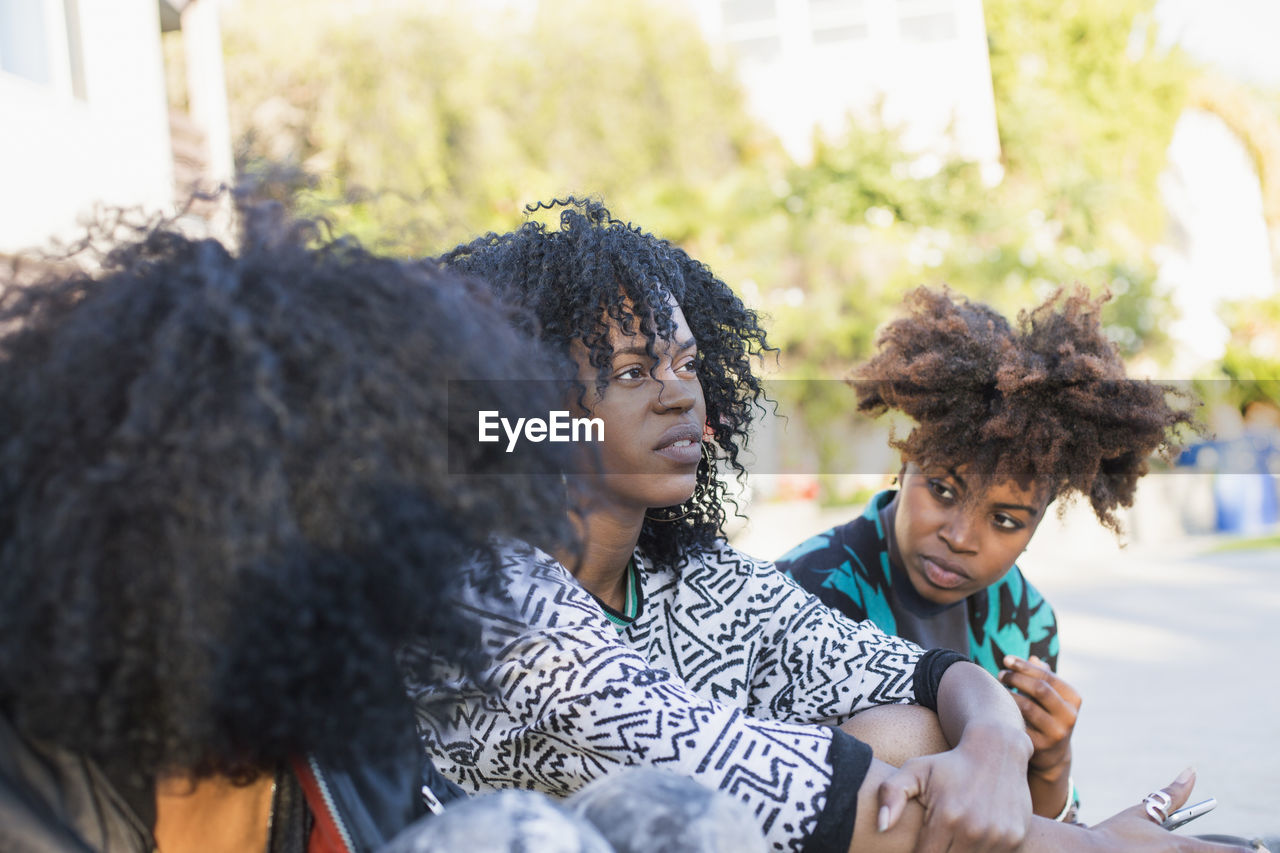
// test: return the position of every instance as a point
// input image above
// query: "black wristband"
(850, 760)
(929, 673)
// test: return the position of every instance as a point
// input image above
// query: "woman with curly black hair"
(1008, 419)
(229, 490)
(658, 644)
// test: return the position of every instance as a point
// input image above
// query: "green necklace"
(631, 604)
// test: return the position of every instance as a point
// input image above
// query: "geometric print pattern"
(848, 568)
(731, 674)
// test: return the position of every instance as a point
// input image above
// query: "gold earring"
(707, 459)
(668, 520)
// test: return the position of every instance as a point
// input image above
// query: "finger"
(1031, 664)
(1214, 847)
(1046, 714)
(1204, 846)
(1038, 669)
(1041, 691)
(938, 835)
(894, 793)
(945, 830)
(1065, 690)
(1041, 725)
(1180, 789)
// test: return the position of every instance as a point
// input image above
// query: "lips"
(681, 444)
(943, 574)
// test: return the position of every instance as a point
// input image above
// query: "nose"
(959, 532)
(675, 393)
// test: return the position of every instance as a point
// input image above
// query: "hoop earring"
(706, 459)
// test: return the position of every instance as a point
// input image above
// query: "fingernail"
(882, 823)
(1185, 776)
(1035, 659)
(1010, 660)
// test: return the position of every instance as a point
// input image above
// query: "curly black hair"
(595, 269)
(228, 493)
(1046, 401)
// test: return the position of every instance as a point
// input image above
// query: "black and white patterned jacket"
(731, 674)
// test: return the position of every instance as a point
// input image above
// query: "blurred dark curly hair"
(594, 269)
(229, 491)
(1046, 401)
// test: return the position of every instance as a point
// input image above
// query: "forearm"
(1050, 707)
(892, 809)
(1050, 789)
(897, 733)
(973, 704)
(1049, 836)
(1045, 836)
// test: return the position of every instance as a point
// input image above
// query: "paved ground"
(1175, 649)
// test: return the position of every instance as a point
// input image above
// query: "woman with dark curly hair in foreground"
(226, 497)
(1008, 419)
(659, 644)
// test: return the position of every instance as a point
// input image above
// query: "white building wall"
(206, 87)
(1218, 248)
(60, 154)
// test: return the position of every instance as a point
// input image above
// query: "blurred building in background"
(1224, 219)
(87, 115)
(922, 65)
(1219, 247)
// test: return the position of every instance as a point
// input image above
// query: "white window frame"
(64, 69)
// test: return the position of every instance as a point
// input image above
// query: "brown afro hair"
(1046, 401)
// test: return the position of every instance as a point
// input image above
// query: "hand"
(1132, 830)
(975, 796)
(1049, 706)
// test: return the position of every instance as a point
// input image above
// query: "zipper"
(431, 801)
(329, 803)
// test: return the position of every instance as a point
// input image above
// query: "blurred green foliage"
(1252, 361)
(424, 124)
(418, 125)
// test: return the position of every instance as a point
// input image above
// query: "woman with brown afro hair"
(1008, 419)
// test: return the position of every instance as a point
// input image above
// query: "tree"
(422, 126)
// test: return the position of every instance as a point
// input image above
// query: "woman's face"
(653, 412)
(954, 538)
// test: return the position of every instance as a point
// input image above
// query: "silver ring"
(1157, 805)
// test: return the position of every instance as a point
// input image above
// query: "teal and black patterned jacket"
(847, 568)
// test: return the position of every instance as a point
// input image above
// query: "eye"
(689, 368)
(635, 371)
(1004, 521)
(942, 490)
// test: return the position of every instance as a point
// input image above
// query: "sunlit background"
(823, 156)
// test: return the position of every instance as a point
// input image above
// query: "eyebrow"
(1028, 509)
(639, 350)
